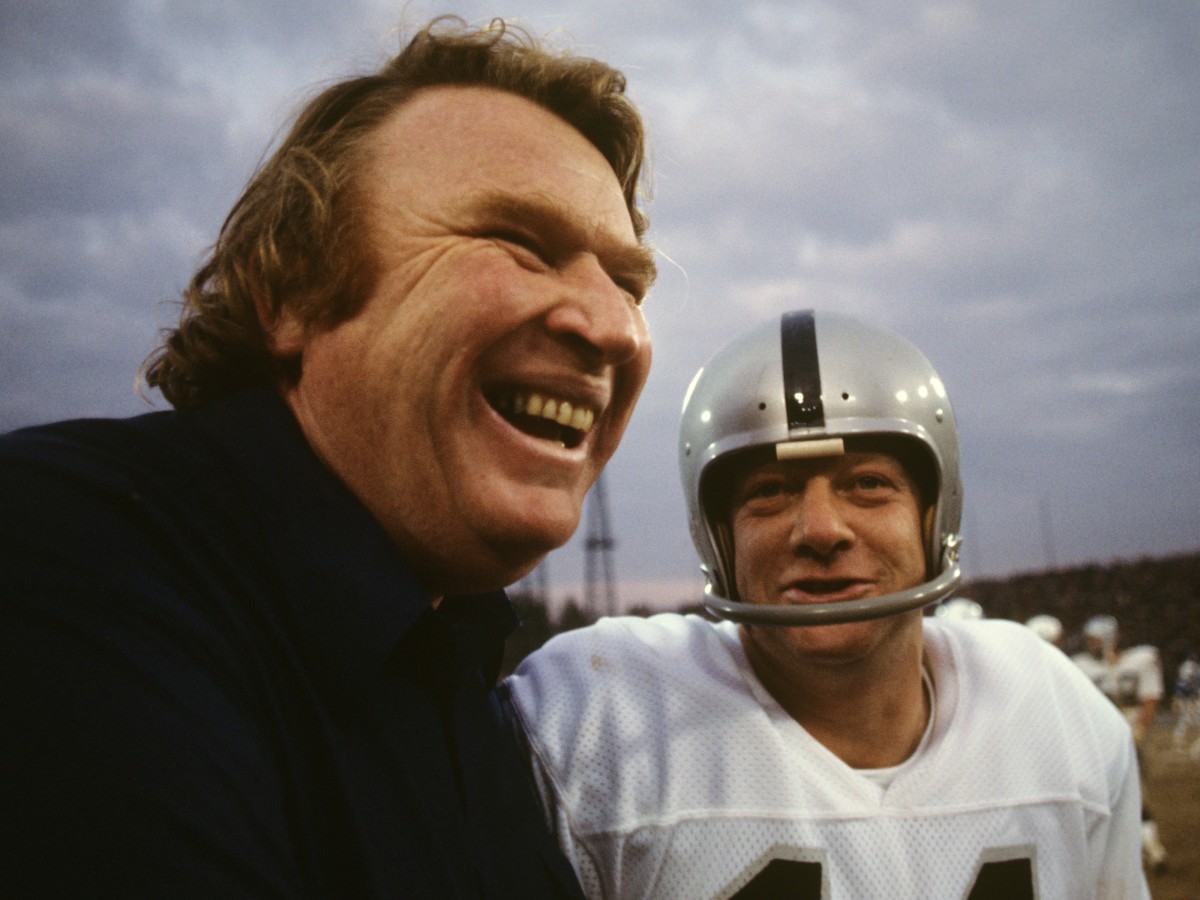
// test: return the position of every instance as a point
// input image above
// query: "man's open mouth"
(542, 416)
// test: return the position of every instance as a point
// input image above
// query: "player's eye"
(759, 490)
(871, 483)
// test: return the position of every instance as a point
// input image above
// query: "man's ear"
(286, 334)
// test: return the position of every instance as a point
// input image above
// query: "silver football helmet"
(1048, 628)
(802, 384)
(1104, 629)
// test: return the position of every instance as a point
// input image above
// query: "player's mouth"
(827, 589)
(542, 415)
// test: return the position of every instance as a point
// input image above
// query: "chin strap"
(841, 611)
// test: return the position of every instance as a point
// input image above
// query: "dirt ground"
(1173, 789)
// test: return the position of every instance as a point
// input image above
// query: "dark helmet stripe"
(801, 372)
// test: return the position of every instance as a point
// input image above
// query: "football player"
(1186, 700)
(826, 739)
(1132, 679)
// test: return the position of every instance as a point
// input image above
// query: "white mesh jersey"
(668, 771)
(1134, 676)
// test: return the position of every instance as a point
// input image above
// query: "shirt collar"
(351, 595)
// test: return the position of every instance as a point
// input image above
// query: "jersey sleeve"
(1119, 842)
(519, 698)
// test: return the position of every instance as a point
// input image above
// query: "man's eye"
(513, 237)
(635, 289)
(520, 241)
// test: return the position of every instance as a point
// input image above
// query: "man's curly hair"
(297, 238)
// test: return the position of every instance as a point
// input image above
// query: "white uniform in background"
(667, 771)
(1187, 705)
(1128, 680)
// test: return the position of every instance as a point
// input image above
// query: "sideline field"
(1173, 788)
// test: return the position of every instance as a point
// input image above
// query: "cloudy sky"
(1014, 185)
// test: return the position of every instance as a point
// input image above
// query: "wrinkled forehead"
(466, 137)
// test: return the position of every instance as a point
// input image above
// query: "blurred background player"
(1186, 701)
(1131, 678)
(1048, 628)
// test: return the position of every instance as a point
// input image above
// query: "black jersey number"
(1003, 874)
(784, 878)
(1011, 879)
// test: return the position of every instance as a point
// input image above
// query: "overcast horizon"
(1014, 186)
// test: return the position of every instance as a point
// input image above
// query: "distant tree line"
(1155, 601)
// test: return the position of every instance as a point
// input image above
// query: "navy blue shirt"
(219, 678)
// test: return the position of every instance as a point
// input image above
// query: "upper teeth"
(556, 410)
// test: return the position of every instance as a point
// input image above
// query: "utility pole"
(599, 551)
(1051, 556)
